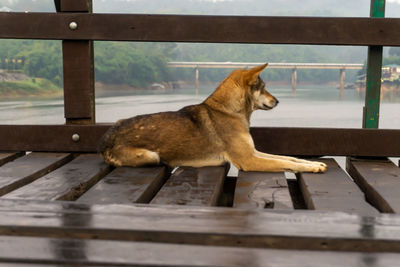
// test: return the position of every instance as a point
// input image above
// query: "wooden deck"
(73, 209)
(62, 206)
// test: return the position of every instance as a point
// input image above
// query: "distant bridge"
(244, 65)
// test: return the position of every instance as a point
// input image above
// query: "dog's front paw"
(318, 167)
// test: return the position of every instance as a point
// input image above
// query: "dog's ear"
(252, 74)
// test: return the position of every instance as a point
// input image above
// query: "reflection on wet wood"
(116, 253)
(333, 191)
(66, 183)
(7, 157)
(262, 190)
(193, 186)
(127, 185)
(380, 180)
(305, 230)
(26, 264)
(26, 169)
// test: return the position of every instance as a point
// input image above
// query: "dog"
(208, 134)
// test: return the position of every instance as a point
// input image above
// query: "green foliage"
(136, 64)
(41, 58)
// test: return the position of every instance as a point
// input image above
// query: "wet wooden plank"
(380, 181)
(262, 190)
(26, 169)
(66, 183)
(214, 29)
(115, 253)
(193, 186)
(127, 185)
(9, 156)
(299, 229)
(333, 191)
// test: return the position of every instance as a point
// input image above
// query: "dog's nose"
(276, 101)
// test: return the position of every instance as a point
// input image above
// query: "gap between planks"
(259, 190)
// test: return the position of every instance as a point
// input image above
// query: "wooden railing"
(78, 28)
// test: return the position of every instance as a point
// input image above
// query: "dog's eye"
(258, 85)
(255, 87)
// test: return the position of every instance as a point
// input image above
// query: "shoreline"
(105, 90)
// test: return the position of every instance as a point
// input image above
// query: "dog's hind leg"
(131, 156)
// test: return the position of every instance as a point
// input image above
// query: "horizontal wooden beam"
(50, 138)
(327, 141)
(190, 28)
(286, 141)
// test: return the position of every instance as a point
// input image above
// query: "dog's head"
(242, 91)
(255, 89)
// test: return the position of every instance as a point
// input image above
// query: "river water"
(311, 106)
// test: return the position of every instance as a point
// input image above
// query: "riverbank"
(16, 84)
(19, 85)
(30, 87)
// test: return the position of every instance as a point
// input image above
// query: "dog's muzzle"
(270, 104)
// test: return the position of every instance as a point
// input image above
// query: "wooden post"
(78, 66)
(197, 80)
(294, 80)
(342, 76)
(374, 72)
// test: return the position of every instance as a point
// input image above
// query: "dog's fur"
(206, 134)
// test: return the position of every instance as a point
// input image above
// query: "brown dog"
(206, 134)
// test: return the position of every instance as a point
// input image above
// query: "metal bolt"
(73, 25)
(75, 137)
